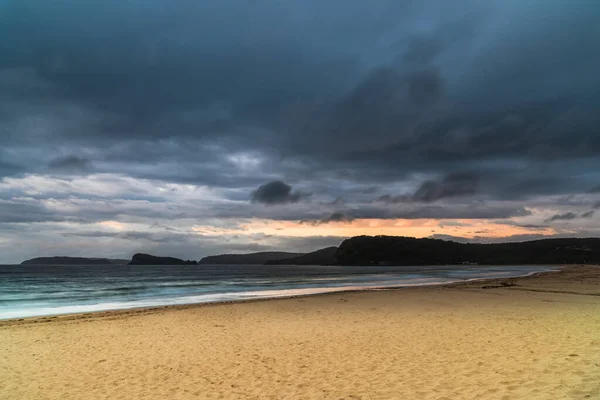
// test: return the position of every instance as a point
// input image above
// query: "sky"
(190, 128)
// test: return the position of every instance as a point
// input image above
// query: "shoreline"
(144, 310)
(533, 337)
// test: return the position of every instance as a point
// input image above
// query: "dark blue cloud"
(386, 104)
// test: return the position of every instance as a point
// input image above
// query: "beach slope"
(522, 338)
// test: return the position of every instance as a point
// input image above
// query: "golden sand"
(484, 340)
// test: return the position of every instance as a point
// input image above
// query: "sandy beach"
(521, 338)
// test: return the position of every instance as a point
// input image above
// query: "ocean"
(30, 291)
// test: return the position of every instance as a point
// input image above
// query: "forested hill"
(320, 257)
(397, 250)
(252, 258)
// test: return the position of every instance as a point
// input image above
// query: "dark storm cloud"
(276, 192)
(399, 100)
(156, 237)
(459, 184)
(453, 185)
(422, 50)
(570, 216)
(333, 217)
(501, 183)
(8, 169)
(533, 227)
(69, 164)
(435, 105)
(163, 65)
(588, 214)
(468, 211)
(75, 209)
(385, 106)
(24, 212)
(337, 217)
(462, 212)
(562, 217)
(389, 199)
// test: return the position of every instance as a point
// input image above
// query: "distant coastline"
(63, 260)
(384, 250)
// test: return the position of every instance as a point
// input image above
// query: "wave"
(229, 290)
(197, 299)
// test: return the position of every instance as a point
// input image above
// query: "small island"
(62, 260)
(147, 259)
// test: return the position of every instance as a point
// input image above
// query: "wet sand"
(521, 338)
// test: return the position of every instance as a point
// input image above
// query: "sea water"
(35, 290)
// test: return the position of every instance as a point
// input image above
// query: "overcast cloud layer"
(190, 128)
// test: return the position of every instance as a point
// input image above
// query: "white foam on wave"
(239, 296)
(195, 299)
(158, 302)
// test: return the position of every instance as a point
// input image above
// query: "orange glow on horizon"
(394, 227)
